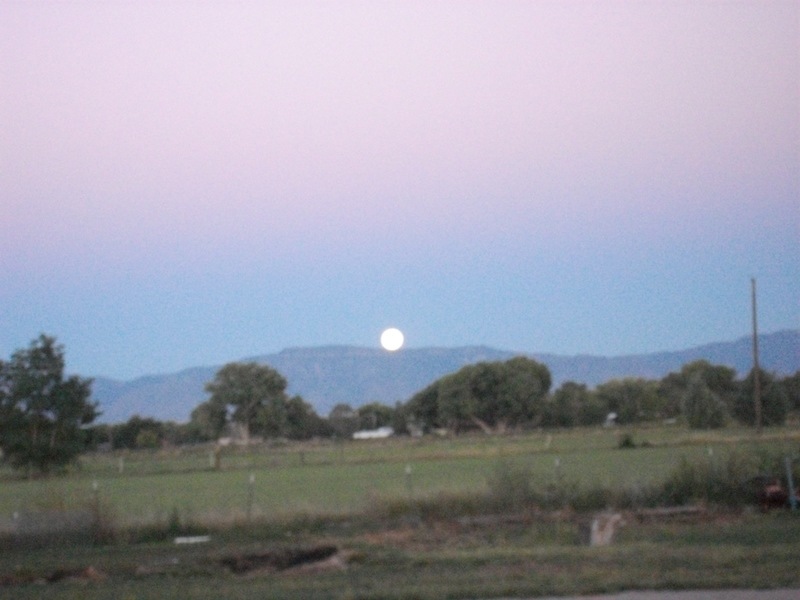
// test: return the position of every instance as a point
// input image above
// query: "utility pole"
(756, 382)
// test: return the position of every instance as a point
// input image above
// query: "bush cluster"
(512, 488)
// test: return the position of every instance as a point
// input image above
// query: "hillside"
(330, 375)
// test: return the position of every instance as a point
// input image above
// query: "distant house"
(374, 434)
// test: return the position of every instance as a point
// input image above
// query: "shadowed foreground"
(539, 557)
(782, 594)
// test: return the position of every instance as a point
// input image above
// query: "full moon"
(392, 339)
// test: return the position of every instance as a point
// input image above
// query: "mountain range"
(330, 375)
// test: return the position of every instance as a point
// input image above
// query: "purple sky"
(192, 183)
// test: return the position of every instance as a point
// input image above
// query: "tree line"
(249, 400)
(47, 418)
(494, 396)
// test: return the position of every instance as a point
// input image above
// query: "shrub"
(592, 499)
(510, 486)
(710, 480)
(513, 488)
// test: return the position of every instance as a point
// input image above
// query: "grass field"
(372, 501)
(347, 477)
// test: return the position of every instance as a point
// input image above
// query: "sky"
(193, 183)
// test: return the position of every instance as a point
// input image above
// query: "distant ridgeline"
(331, 375)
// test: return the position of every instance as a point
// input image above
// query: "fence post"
(409, 482)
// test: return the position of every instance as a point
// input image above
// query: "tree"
(792, 386)
(422, 410)
(521, 392)
(456, 402)
(703, 408)
(403, 422)
(633, 399)
(253, 394)
(42, 413)
(564, 406)
(302, 421)
(137, 432)
(207, 421)
(375, 415)
(774, 400)
(718, 379)
(573, 404)
(491, 395)
(343, 420)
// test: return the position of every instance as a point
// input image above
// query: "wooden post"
(756, 369)
(217, 457)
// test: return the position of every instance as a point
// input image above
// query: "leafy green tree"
(272, 419)
(422, 409)
(343, 420)
(207, 421)
(456, 401)
(703, 408)
(137, 432)
(633, 399)
(252, 394)
(490, 395)
(564, 406)
(403, 421)
(671, 390)
(302, 421)
(792, 386)
(176, 434)
(573, 404)
(148, 438)
(718, 379)
(592, 410)
(42, 413)
(98, 435)
(375, 415)
(521, 392)
(774, 400)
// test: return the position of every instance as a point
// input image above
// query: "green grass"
(347, 477)
(403, 530)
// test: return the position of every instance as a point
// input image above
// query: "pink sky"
(348, 150)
